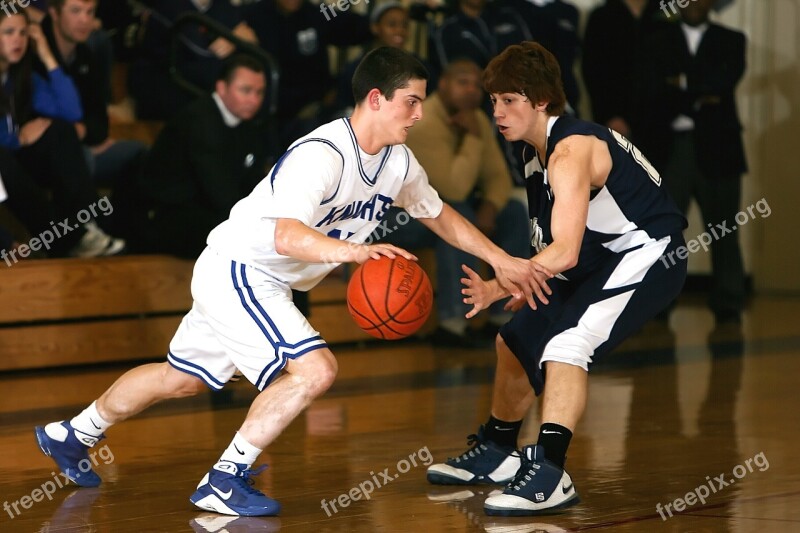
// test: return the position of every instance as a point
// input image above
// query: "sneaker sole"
(213, 503)
(502, 511)
(41, 441)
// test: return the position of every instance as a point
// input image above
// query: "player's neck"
(368, 135)
(536, 135)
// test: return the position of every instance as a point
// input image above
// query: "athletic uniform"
(619, 282)
(243, 316)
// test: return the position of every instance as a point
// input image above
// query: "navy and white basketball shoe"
(484, 463)
(69, 449)
(540, 487)
(227, 489)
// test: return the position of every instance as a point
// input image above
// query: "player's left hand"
(478, 293)
(523, 278)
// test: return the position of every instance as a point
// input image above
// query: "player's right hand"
(523, 278)
(375, 251)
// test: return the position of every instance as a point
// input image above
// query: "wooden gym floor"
(674, 411)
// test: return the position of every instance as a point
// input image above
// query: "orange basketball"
(390, 298)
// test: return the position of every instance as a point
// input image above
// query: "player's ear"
(541, 106)
(373, 99)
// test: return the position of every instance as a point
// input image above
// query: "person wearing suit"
(611, 44)
(207, 158)
(691, 131)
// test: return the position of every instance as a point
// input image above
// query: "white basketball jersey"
(327, 182)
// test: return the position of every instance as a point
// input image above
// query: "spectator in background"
(612, 42)
(297, 34)
(207, 157)
(40, 104)
(67, 28)
(389, 25)
(199, 59)
(456, 146)
(566, 44)
(479, 33)
(691, 131)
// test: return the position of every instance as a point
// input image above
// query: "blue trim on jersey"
(283, 350)
(203, 374)
(364, 176)
(279, 164)
(408, 161)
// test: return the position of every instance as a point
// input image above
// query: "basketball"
(390, 298)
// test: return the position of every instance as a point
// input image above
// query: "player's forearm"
(557, 258)
(460, 233)
(295, 239)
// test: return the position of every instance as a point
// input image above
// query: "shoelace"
(248, 483)
(527, 469)
(477, 449)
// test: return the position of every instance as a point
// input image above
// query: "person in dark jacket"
(611, 45)
(690, 129)
(39, 103)
(206, 158)
(68, 28)
(297, 34)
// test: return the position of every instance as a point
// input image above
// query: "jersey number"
(337, 234)
(638, 157)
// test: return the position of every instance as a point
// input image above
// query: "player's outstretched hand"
(478, 293)
(523, 278)
(375, 251)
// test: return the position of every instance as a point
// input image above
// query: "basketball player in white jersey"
(313, 211)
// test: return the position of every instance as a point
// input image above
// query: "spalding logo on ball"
(390, 298)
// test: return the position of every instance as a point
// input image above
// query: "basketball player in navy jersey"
(600, 221)
(315, 209)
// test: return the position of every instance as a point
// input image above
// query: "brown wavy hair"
(531, 70)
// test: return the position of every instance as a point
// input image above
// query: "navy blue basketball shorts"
(587, 319)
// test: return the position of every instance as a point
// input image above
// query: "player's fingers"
(400, 251)
(467, 282)
(472, 312)
(539, 268)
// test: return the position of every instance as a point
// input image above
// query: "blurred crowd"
(235, 82)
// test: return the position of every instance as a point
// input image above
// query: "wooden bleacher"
(63, 312)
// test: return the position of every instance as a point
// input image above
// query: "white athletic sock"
(90, 422)
(240, 451)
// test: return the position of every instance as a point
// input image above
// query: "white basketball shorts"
(241, 318)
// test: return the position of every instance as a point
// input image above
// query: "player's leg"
(68, 442)
(604, 310)
(275, 348)
(143, 386)
(492, 457)
(305, 379)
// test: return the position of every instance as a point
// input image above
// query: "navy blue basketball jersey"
(629, 211)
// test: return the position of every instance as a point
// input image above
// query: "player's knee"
(318, 371)
(325, 376)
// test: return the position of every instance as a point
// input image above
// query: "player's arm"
(570, 173)
(295, 239)
(516, 275)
